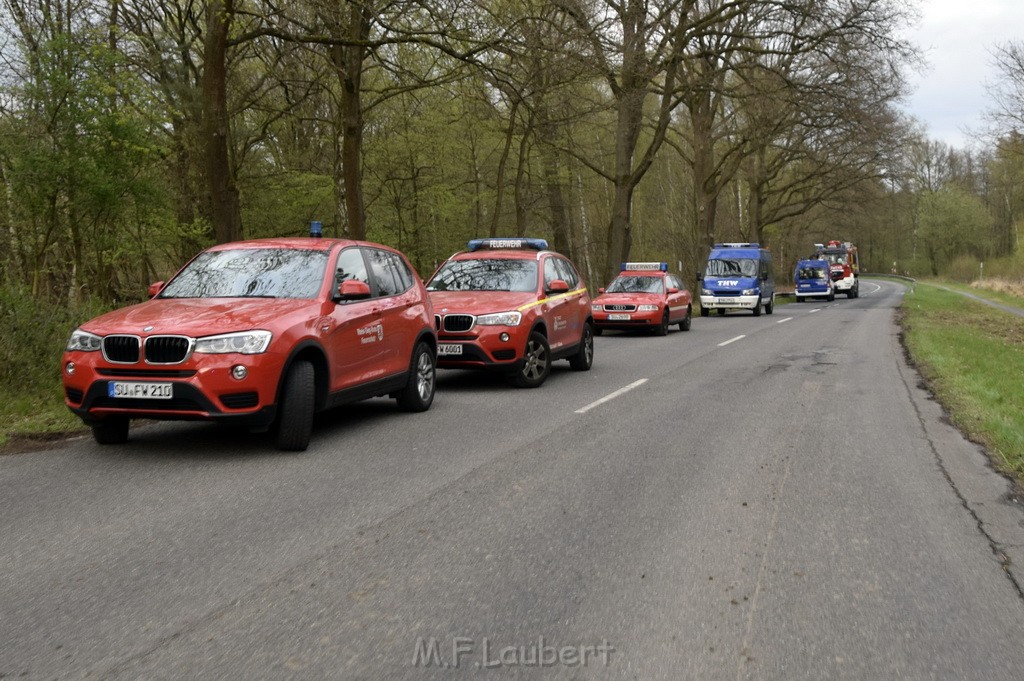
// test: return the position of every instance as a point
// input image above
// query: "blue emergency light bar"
(645, 266)
(737, 245)
(508, 244)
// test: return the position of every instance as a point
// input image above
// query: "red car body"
(511, 305)
(225, 339)
(644, 296)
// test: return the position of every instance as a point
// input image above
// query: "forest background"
(134, 133)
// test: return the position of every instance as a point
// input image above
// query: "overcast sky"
(957, 37)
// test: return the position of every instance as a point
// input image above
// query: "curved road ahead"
(771, 498)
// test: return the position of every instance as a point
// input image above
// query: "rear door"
(400, 306)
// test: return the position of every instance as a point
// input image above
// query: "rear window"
(812, 273)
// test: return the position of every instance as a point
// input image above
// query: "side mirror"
(673, 289)
(155, 288)
(600, 290)
(558, 286)
(353, 289)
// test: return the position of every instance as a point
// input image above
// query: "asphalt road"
(787, 505)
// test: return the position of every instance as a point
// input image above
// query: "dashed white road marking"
(783, 321)
(731, 340)
(817, 309)
(612, 396)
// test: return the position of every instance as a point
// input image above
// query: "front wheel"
(704, 312)
(584, 357)
(536, 363)
(721, 312)
(418, 393)
(685, 324)
(662, 328)
(757, 308)
(112, 430)
(295, 412)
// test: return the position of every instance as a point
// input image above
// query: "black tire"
(831, 297)
(536, 363)
(418, 393)
(770, 307)
(684, 325)
(295, 411)
(757, 307)
(598, 330)
(704, 312)
(662, 328)
(112, 430)
(721, 312)
(584, 357)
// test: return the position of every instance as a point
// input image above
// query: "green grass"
(973, 358)
(994, 296)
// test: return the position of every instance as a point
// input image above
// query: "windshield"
(250, 273)
(485, 275)
(812, 273)
(634, 284)
(835, 257)
(731, 267)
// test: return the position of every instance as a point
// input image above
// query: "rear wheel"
(831, 296)
(536, 363)
(112, 430)
(770, 307)
(584, 357)
(418, 393)
(685, 324)
(295, 412)
(721, 312)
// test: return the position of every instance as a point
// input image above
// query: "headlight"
(244, 343)
(749, 292)
(596, 308)
(500, 319)
(706, 292)
(646, 308)
(83, 341)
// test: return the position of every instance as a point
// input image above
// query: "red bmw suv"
(513, 306)
(259, 333)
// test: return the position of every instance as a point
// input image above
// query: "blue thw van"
(811, 279)
(738, 277)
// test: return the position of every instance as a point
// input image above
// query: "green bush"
(32, 337)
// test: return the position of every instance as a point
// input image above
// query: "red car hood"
(629, 298)
(479, 302)
(200, 316)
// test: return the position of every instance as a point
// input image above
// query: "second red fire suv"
(513, 306)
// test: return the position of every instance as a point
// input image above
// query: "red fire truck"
(844, 265)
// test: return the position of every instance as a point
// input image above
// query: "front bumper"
(482, 348)
(202, 389)
(813, 293)
(627, 320)
(729, 302)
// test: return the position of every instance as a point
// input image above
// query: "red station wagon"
(513, 306)
(644, 296)
(259, 333)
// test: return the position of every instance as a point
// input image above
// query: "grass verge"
(972, 356)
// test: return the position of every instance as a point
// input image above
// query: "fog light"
(238, 371)
(70, 368)
(503, 337)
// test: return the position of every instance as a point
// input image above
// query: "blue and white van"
(738, 276)
(812, 279)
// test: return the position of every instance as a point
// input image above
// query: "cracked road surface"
(790, 505)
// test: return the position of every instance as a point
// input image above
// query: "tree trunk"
(225, 212)
(348, 64)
